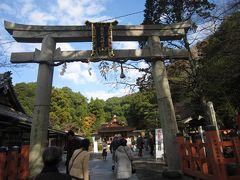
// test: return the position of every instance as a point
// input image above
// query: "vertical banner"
(95, 145)
(159, 143)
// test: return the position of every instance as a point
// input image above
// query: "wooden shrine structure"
(49, 56)
(210, 158)
(14, 122)
(113, 127)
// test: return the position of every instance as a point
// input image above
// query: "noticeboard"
(159, 143)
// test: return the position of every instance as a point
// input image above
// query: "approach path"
(147, 168)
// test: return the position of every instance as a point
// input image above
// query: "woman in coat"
(78, 165)
(123, 158)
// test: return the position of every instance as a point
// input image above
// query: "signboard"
(102, 38)
(159, 143)
(95, 145)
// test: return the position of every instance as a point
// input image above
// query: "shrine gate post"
(40, 123)
(165, 105)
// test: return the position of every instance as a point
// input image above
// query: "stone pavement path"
(101, 169)
(147, 168)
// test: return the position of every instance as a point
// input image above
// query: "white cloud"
(203, 31)
(65, 46)
(70, 12)
(38, 17)
(6, 8)
(19, 47)
(27, 6)
(59, 12)
(79, 73)
(94, 9)
(102, 94)
(125, 45)
(143, 64)
(133, 74)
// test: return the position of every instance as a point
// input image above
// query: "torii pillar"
(165, 106)
(39, 129)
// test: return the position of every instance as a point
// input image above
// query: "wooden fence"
(14, 163)
(210, 159)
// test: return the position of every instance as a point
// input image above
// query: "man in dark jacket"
(151, 144)
(140, 144)
(52, 156)
(70, 147)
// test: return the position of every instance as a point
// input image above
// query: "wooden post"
(165, 106)
(193, 155)
(12, 163)
(201, 155)
(3, 159)
(238, 122)
(24, 171)
(236, 148)
(39, 130)
(214, 154)
(182, 152)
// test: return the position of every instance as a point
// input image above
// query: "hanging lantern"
(122, 75)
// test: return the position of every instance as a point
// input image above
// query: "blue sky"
(71, 12)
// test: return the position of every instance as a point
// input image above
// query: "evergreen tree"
(96, 107)
(220, 70)
(26, 93)
(174, 11)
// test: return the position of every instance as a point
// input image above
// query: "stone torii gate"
(49, 56)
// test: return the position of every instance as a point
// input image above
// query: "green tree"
(96, 107)
(26, 93)
(174, 11)
(88, 124)
(60, 113)
(220, 69)
(140, 110)
(78, 103)
(113, 107)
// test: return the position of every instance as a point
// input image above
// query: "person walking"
(113, 146)
(78, 165)
(151, 144)
(123, 158)
(140, 144)
(70, 147)
(146, 143)
(104, 150)
(51, 157)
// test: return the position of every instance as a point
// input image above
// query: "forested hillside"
(71, 110)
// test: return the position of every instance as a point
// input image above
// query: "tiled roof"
(115, 129)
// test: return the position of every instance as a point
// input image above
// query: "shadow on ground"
(152, 171)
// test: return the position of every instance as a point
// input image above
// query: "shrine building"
(108, 130)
